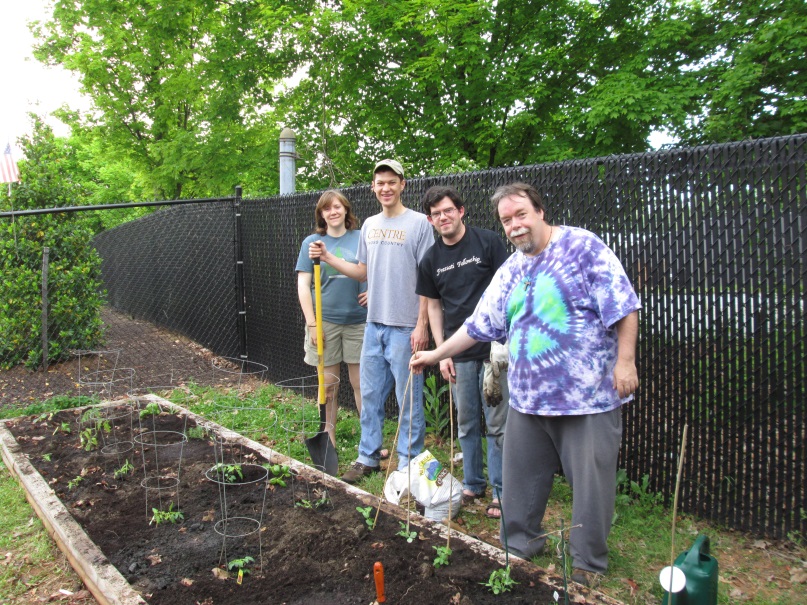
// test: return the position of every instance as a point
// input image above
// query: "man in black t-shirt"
(452, 276)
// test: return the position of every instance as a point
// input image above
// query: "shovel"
(322, 451)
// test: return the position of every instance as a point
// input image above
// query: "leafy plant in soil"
(89, 439)
(230, 473)
(242, 565)
(500, 581)
(443, 553)
(64, 427)
(406, 533)
(367, 513)
(166, 516)
(280, 472)
(73, 483)
(124, 470)
(152, 409)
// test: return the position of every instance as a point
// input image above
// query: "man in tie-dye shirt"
(570, 313)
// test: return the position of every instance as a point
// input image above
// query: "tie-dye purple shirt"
(558, 310)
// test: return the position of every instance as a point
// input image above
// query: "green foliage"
(500, 581)
(367, 513)
(47, 457)
(124, 470)
(152, 409)
(196, 432)
(74, 277)
(406, 533)
(229, 473)
(74, 482)
(166, 516)
(435, 408)
(280, 472)
(64, 427)
(443, 554)
(242, 565)
(89, 439)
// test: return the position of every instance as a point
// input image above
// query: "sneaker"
(358, 470)
(585, 577)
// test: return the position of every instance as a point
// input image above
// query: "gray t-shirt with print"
(392, 248)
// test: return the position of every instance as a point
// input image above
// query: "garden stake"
(378, 575)
(394, 446)
(668, 578)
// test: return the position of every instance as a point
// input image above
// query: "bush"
(74, 274)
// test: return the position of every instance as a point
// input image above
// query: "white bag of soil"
(432, 486)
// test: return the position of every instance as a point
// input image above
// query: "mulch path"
(136, 354)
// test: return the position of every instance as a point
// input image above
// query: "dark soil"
(318, 555)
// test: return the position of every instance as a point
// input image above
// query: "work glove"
(491, 387)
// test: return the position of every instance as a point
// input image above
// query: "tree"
(481, 83)
(181, 88)
(753, 82)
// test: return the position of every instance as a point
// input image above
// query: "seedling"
(229, 472)
(443, 553)
(500, 581)
(308, 504)
(166, 516)
(46, 457)
(125, 469)
(152, 409)
(89, 439)
(242, 565)
(367, 513)
(406, 533)
(280, 473)
(75, 482)
(64, 427)
(197, 432)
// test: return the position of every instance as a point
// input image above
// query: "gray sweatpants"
(586, 447)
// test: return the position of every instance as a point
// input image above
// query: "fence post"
(240, 290)
(288, 161)
(45, 255)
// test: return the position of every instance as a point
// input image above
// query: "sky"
(27, 85)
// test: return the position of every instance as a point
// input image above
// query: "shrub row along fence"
(712, 237)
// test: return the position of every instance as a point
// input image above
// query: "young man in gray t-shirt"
(392, 245)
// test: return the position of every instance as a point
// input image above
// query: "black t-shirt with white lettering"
(458, 275)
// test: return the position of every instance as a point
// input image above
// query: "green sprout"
(443, 553)
(89, 439)
(280, 473)
(406, 533)
(125, 469)
(242, 565)
(197, 432)
(367, 513)
(500, 581)
(64, 427)
(75, 482)
(152, 409)
(229, 472)
(47, 457)
(166, 516)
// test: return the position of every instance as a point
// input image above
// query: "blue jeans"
(384, 359)
(470, 407)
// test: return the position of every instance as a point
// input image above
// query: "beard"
(527, 246)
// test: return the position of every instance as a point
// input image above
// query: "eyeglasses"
(448, 212)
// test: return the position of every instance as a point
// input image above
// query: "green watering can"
(700, 570)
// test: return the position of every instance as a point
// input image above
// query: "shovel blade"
(323, 454)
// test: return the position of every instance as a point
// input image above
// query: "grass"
(752, 571)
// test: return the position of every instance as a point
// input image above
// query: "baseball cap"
(393, 165)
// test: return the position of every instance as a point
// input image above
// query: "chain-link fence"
(712, 237)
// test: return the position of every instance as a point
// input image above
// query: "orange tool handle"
(378, 574)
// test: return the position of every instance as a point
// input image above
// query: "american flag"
(8, 167)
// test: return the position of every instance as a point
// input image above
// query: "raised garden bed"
(312, 546)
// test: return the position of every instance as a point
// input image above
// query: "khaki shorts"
(342, 343)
